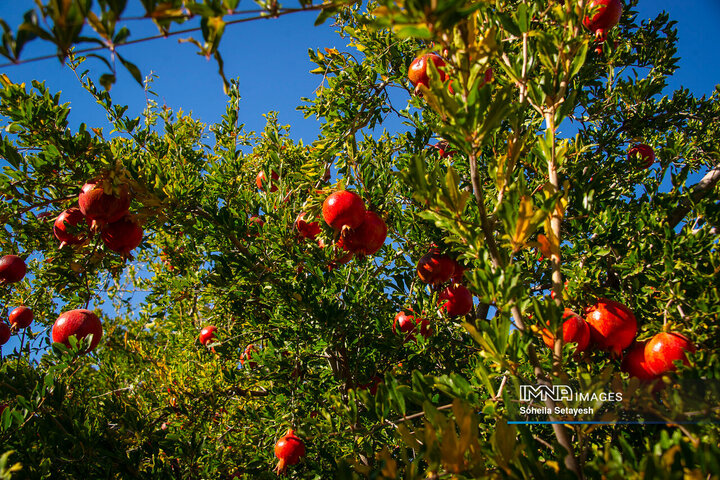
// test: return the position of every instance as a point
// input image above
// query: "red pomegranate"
(21, 317)
(70, 227)
(456, 300)
(444, 149)
(641, 155)
(575, 330)
(12, 269)
(207, 334)
(407, 323)
(607, 15)
(306, 229)
(4, 332)
(458, 272)
(261, 180)
(255, 225)
(367, 238)
(81, 323)
(435, 268)
(663, 349)
(101, 208)
(417, 73)
(122, 236)
(288, 450)
(634, 362)
(343, 209)
(612, 325)
(372, 385)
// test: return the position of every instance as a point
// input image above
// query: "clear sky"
(269, 57)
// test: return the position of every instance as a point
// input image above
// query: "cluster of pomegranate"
(410, 325)
(12, 270)
(436, 268)
(101, 211)
(359, 231)
(611, 326)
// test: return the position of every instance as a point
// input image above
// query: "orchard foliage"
(304, 338)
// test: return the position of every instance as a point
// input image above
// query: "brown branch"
(700, 190)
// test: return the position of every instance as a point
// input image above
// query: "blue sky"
(269, 57)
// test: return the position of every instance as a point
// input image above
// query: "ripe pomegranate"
(247, 356)
(612, 325)
(69, 227)
(458, 271)
(417, 73)
(575, 330)
(122, 236)
(343, 209)
(101, 208)
(435, 268)
(607, 15)
(21, 317)
(288, 450)
(306, 230)
(261, 180)
(456, 300)
(81, 323)
(367, 238)
(663, 349)
(255, 225)
(634, 362)
(4, 332)
(372, 385)
(207, 334)
(12, 269)
(641, 155)
(444, 150)
(407, 323)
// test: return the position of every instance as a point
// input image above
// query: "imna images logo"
(560, 393)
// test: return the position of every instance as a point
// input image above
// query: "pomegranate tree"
(69, 227)
(21, 317)
(80, 323)
(288, 449)
(101, 207)
(343, 209)
(12, 269)
(122, 236)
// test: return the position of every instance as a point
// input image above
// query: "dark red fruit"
(435, 268)
(69, 227)
(458, 272)
(418, 74)
(641, 155)
(12, 269)
(367, 238)
(21, 317)
(305, 229)
(372, 385)
(288, 450)
(612, 325)
(122, 236)
(4, 332)
(634, 363)
(607, 15)
(343, 209)
(665, 348)
(207, 334)
(81, 323)
(444, 150)
(575, 330)
(456, 300)
(101, 208)
(255, 225)
(407, 323)
(261, 180)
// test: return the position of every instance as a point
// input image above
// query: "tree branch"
(700, 190)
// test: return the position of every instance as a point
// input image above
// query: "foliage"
(152, 402)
